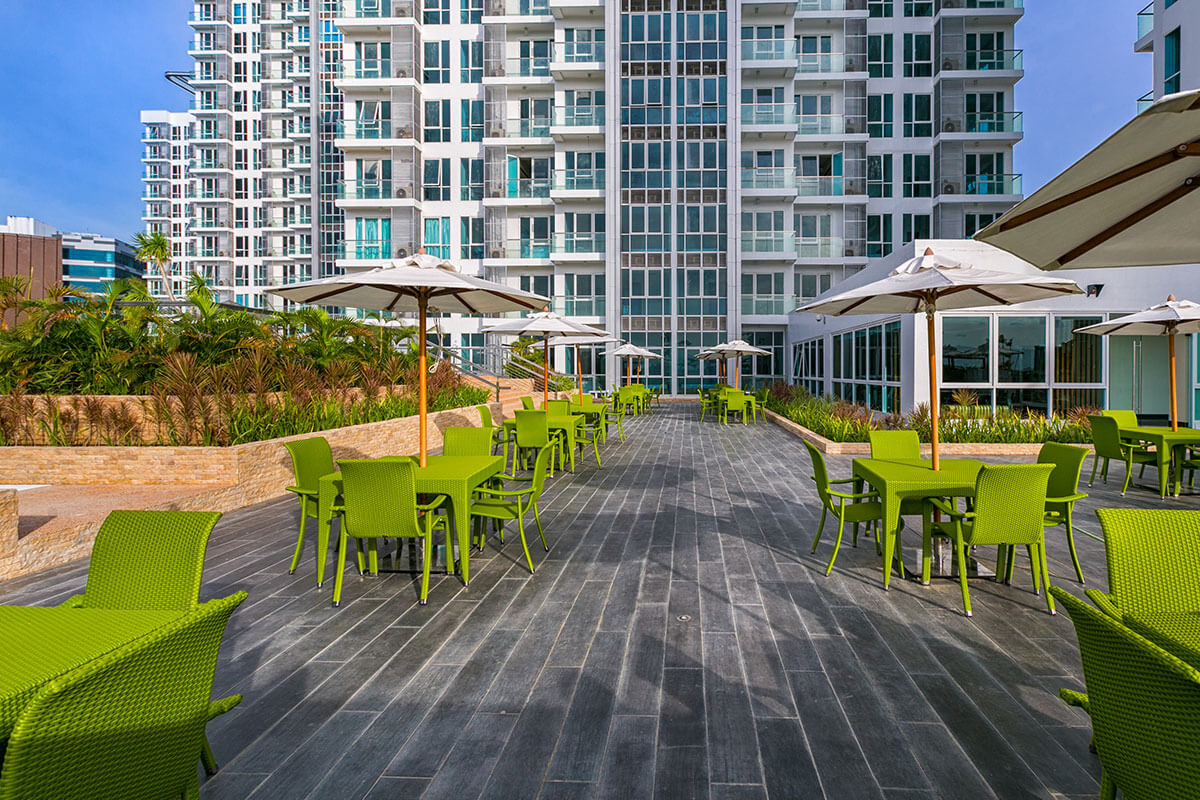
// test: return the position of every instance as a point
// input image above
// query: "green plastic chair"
(1124, 417)
(567, 439)
(1106, 437)
(1144, 704)
(485, 420)
(381, 500)
(895, 445)
(707, 402)
(465, 441)
(735, 403)
(593, 432)
(1153, 560)
(531, 435)
(152, 561)
(311, 460)
(527, 403)
(1009, 509)
(616, 413)
(126, 724)
(1062, 491)
(850, 507)
(514, 504)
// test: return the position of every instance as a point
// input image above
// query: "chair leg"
(341, 569)
(300, 537)
(1104, 471)
(820, 527)
(960, 550)
(207, 758)
(524, 544)
(1128, 477)
(1034, 567)
(837, 543)
(1095, 464)
(1041, 548)
(426, 563)
(538, 519)
(1108, 787)
(1071, 546)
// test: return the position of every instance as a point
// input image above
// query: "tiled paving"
(677, 641)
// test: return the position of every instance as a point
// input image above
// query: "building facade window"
(437, 12)
(866, 366)
(879, 116)
(812, 284)
(471, 12)
(437, 120)
(472, 121)
(471, 238)
(583, 294)
(879, 175)
(975, 222)
(437, 236)
(471, 179)
(918, 55)
(879, 235)
(918, 115)
(915, 226)
(808, 366)
(764, 370)
(918, 8)
(879, 8)
(1171, 62)
(471, 62)
(879, 55)
(437, 62)
(437, 180)
(918, 175)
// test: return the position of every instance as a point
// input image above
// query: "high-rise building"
(1162, 30)
(240, 180)
(679, 171)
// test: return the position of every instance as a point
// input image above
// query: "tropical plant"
(154, 248)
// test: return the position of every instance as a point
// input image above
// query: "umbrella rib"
(458, 294)
(1117, 178)
(1128, 222)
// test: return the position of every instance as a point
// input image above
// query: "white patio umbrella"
(713, 354)
(929, 283)
(1164, 319)
(585, 341)
(1129, 202)
(417, 283)
(545, 324)
(736, 349)
(631, 351)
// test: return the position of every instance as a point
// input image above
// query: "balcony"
(374, 72)
(365, 250)
(529, 72)
(992, 185)
(982, 61)
(1145, 101)
(588, 181)
(994, 122)
(577, 60)
(578, 247)
(819, 65)
(768, 304)
(376, 133)
(210, 17)
(205, 45)
(578, 121)
(768, 181)
(381, 192)
(1145, 21)
(504, 10)
(822, 247)
(378, 10)
(769, 244)
(520, 250)
(820, 186)
(518, 189)
(537, 128)
(769, 120)
(821, 126)
(994, 8)
(769, 57)
(829, 6)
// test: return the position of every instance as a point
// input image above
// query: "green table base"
(1168, 449)
(1177, 633)
(39, 644)
(896, 481)
(454, 476)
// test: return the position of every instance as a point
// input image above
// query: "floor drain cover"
(684, 617)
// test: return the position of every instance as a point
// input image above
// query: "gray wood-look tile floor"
(678, 641)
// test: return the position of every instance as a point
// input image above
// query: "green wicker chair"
(311, 459)
(124, 725)
(567, 437)
(1062, 491)
(707, 402)
(527, 403)
(152, 561)
(381, 500)
(498, 438)
(1144, 704)
(1153, 560)
(1106, 437)
(465, 441)
(616, 414)
(895, 445)
(531, 434)
(593, 432)
(1124, 417)
(1010, 506)
(514, 504)
(862, 507)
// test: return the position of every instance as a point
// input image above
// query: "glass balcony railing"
(768, 242)
(993, 184)
(578, 179)
(831, 5)
(820, 186)
(378, 9)
(212, 134)
(768, 114)
(1145, 20)
(375, 189)
(364, 249)
(769, 303)
(994, 122)
(522, 248)
(367, 68)
(520, 188)
(821, 62)
(517, 8)
(820, 124)
(989, 60)
(768, 178)
(528, 67)
(579, 306)
(581, 116)
(1145, 101)
(820, 247)
(210, 15)
(208, 45)
(578, 52)
(985, 3)
(376, 129)
(520, 128)
(585, 243)
(768, 50)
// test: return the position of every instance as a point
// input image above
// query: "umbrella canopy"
(631, 351)
(585, 341)
(736, 349)
(546, 324)
(713, 353)
(418, 283)
(1129, 202)
(929, 283)
(1164, 319)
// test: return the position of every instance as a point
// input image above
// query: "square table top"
(1162, 433)
(917, 473)
(42, 643)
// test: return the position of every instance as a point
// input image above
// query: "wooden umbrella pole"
(933, 398)
(1174, 407)
(628, 371)
(545, 370)
(422, 405)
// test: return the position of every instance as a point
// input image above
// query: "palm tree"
(154, 248)
(12, 295)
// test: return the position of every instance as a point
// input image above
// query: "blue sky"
(76, 74)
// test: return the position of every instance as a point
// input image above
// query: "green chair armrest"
(1105, 603)
(852, 495)
(947, 508)
(433, 504)
(218, 707)
(503, 492)
(75, 601)
(302, 492)
(844, 480)
(1074, 698)
(1071, 498)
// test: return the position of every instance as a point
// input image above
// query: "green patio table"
(1177, 632)
(38, 644)
(900, 480)
(568, 425)
(454, 476)
(1168, 448)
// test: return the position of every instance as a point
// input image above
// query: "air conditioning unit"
(404, 132)
(949, 125)
(402, 10)
(949, 187)
(850, 251)
(404, 191)
(949, 64)
(497, 253)
(221, 254)
(497, 133)
(403, 72)
(402, 253)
